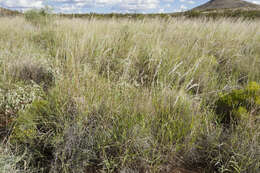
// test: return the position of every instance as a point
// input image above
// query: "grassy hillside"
(225, 8)
(122, 95)
(226, 4)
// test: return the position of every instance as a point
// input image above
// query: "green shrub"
(239, 103)
(14, 99)
(37, 128)
(38, 17)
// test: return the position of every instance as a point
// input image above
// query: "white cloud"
(114, 5)
(137, 4)
(256, 2)
(188, 1)
(23, 3)
(183, 7)
(191, 2)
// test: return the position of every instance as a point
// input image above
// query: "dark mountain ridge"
(227, 4)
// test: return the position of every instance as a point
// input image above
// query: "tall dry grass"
(129, 95)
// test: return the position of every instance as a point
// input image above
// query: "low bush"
(238, 104)
(13, 99)
(38, 127)
(38, 17)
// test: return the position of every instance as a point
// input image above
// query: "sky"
(107, 6)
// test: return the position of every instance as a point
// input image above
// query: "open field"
(129, 96)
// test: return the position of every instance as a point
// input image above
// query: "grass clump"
(47, 40)
(8, 160)
(114, 139)
(225, 151)
(28, 70)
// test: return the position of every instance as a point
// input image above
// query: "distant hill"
(226, 4)
(7, 12)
